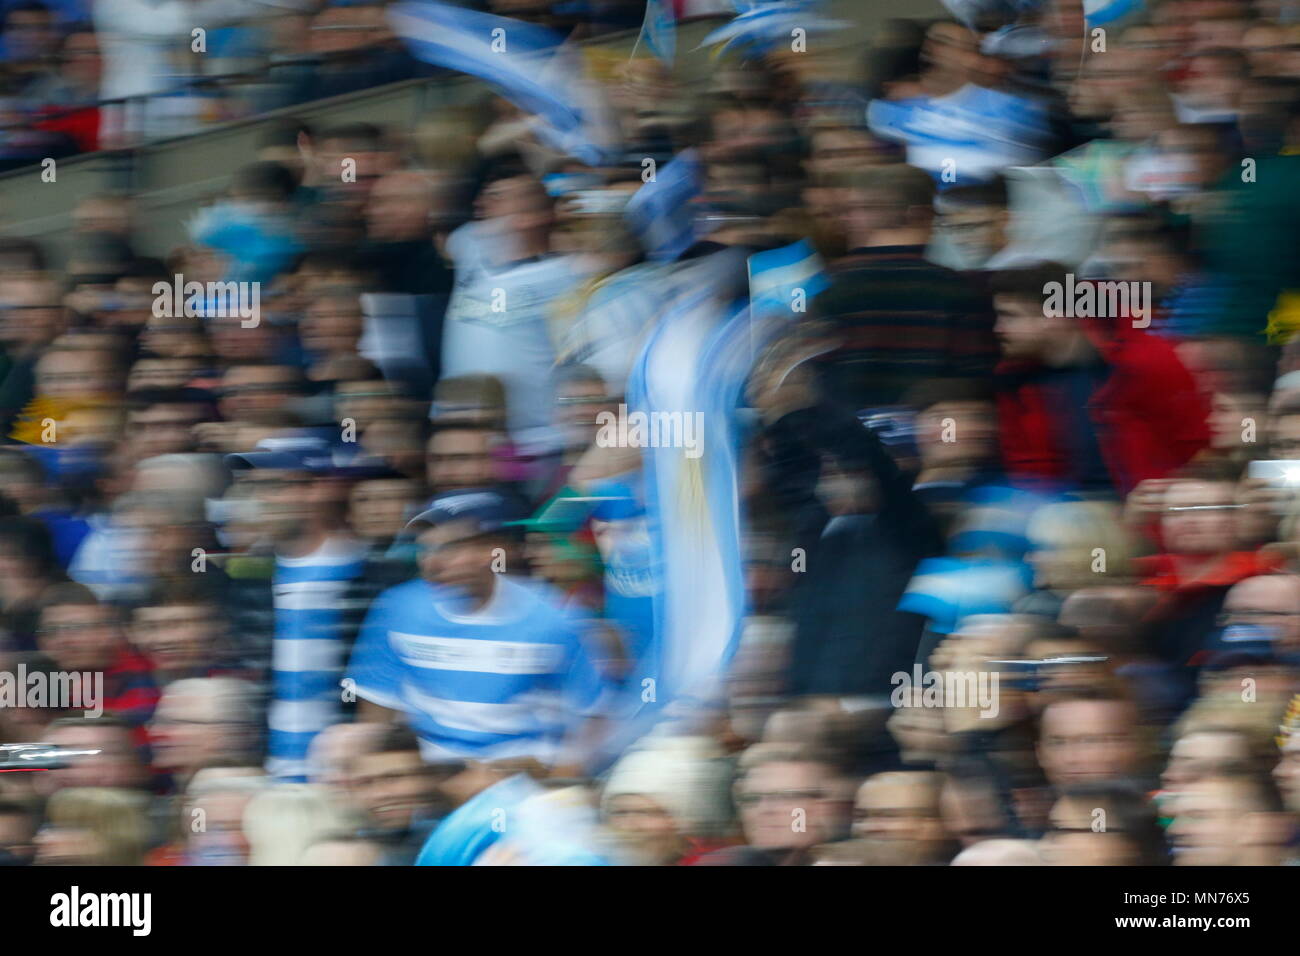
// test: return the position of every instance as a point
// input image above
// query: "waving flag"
(528, 64)
(780, 278)
(762, 27)
(1099, 13)
(660, 213)
(697, 361)
(659, 30)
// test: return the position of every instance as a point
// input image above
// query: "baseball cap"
(489, 510)
(287, 453)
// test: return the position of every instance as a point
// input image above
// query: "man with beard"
(398, 793)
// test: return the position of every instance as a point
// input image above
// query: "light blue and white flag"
(661, 212)
(659, 31)
(1100, 13)
(965, 136)
(519, 59)
(782, 281)
(761, 27)
(694, 365)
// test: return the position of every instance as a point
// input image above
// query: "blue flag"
(661, 214)
(782, 281)
(761, 27)
(693, 370)
(659, 30)
(522, 60)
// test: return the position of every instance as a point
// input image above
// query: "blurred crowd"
(361, 575)
(81, 75)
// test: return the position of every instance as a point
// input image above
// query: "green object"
(563, 514)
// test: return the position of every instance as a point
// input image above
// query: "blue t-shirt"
(506, 680)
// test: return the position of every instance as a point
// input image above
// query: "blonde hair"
(1078, 529)
(281, 822)
(116, 817)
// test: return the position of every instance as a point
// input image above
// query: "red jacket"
(1150, 417)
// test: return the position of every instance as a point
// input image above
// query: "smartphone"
(1277, 474)
(1283, 475)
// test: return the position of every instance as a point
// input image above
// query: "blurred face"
(977, 232)
(117, 764)
(399, 208)
(898, 814)
(161, 373)
(461, 458)
(181, 337)
(30, 313)
(1207, 824)
(843, 150)
(1284, 437)
(30, 34)
(367, 402)
(234, 343)
(1229, 415)
(1196, 756)
(77, 374)
(286, 502)
(950, 46)
(971, 813)
(517, 204)
(376, 508)
(1072, 840)
(393, 789)
(783, 805)
(1263, 45)
(191, 730)
(68, 846)
(331, 326)
(1023, 331)
(80, 60)
(645, 826)
(79, 637)
(165, 429)
(250, 393)
(454, 556)
(1199, 518)
(866, 211)
(957, 433)
(1086, 741)
(1212, 81)
(371, 163)
(1287, 773)
(177, 639)
(221, 841)
(1271, 602)
(17, 834)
